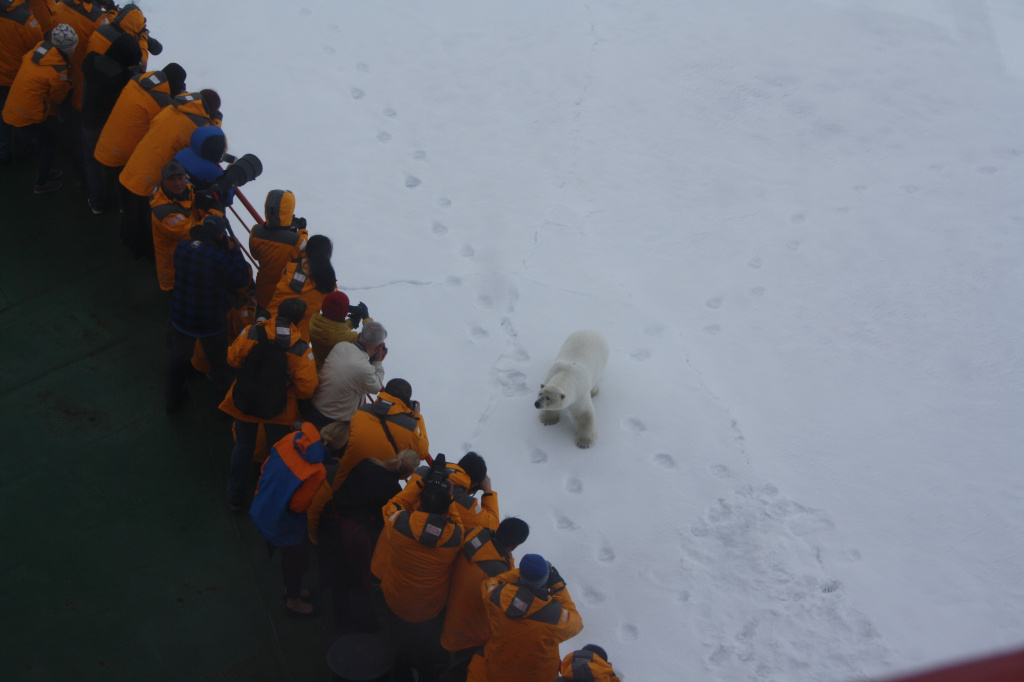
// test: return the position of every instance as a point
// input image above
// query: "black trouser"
(182, 346)
(136, 228)
(45, 136)
(418, 645)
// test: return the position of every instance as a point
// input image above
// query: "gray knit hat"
(64, 38)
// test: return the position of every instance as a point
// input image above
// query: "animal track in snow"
(357, 93)
(438, 228)
(641, 355)
(720, 471)
(467, 251)
(574, 486)
(909, 189)
(633, 424)
(713, 302)
(563, 522)
(538, 456)
(757, 291)
(654, 329)
(712, 329)
(606, 554)
(755, 263)
(453, 281)
(513, 382)
(444, 202)
(793, 245)
(478, 333)
(419, 155)
(860, 188)
(663, 459)
(384, 136)
(797, 218)
(592, 595)
(361, 66)
(329, 50)
(628, 632)
(389, 112)
(412, 181)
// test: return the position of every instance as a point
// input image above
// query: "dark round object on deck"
(361, 658)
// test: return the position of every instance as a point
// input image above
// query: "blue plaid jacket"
(204, 273)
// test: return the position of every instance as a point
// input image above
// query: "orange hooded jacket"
(472, 513)
(301, 369)
(526, 629)
(141, 100)
(44, 11)
(295, 281)
(422, 548)
(465, 621)
(84, 17)
(39, 88)
(172, 220)
(586, 666)
(169, 133)
(366, 439)
(19, 33)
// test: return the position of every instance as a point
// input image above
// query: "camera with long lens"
(438, 474)
(240, 171)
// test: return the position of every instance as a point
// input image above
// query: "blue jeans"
(242, 452)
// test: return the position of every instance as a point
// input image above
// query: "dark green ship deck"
(119, 557)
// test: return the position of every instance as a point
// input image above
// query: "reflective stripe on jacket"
(465, 621)
(273, 249)
(172, 220)
(422, 549)
(141, 100)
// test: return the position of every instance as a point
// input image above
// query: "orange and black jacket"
(465, 621)
(586, 666)
(39, 88)
(140, 100)
(422, 548)
(302, 379)
(44, 11)
(172, 220)
(169, 133)
(85, 18)
(526, 626)
(296, 282)
(273, 248)
(19, 33)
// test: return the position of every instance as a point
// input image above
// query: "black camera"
(242, 170)
(438, 474)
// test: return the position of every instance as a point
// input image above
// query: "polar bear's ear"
(542, 385)
(563, 395)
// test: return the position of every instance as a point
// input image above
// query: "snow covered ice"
(798, 224)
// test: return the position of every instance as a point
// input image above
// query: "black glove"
(358, 313)
(207, 200)
(299, 223)
(554, 578)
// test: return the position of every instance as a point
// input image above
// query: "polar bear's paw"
(548, 417)
(585, 442)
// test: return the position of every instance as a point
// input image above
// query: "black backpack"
(261, 386)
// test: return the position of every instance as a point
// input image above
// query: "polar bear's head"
(549, 398)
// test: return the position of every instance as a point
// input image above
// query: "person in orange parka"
(142, 98)
(174, 216)
(466, 478)
(36, 93)
(485, 554)
(530, 613)
(292, 473)
(169, 133)
(589, 664)
(422, 544)
(44, 12)
(310, 277)
(275, 243)
(19, 33)
(302, 381)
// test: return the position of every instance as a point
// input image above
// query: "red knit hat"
(335, 306)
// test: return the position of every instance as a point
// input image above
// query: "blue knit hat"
(533, 570)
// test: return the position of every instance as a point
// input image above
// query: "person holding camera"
(337, 321)
(351, 372)
(422, 544)
(310, 276)
(173, 217)
(530, 613)
(206, 268)
(275, 243)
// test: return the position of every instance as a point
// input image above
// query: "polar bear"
(572, 381)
